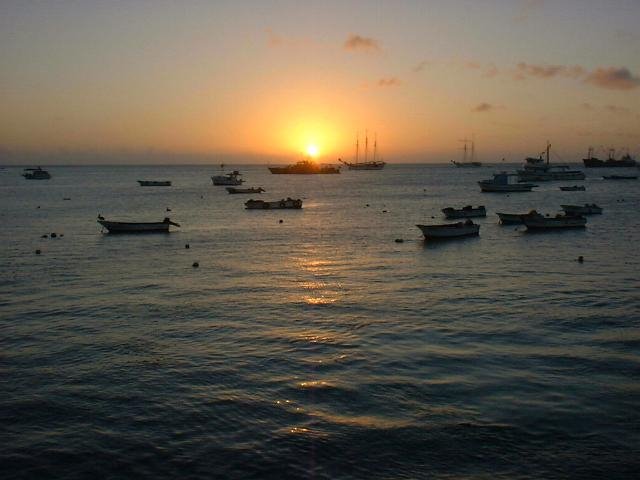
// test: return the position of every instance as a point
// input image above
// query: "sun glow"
(312, 150)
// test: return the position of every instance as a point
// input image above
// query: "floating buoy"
(399, 240)
(38, 252)
(367, 205)
(384, 211)
(580, 259)
(195, 265)
(280, 221)
(53, 235)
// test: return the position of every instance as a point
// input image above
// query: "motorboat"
(465, 212)
(537, 221)
(137, 227)
(245, 190)
(510, 218)
(543, 171)
(232, 178)
(611, 162)
(36, 174)
(305, 167)
(288, 203)
(574, 188)
(451, 230)
(586, 209)
(620, 177)
(501, 183)
(154, 183)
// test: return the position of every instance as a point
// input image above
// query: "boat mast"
(590, 153)
(548, 147)
(357, 146)
(473, 150)
(464, 156)
(366, 146)
(375, 146)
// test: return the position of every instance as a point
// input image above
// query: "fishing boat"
(537, 221)
(464, 212)
(500, 183)
(232, 178)
(36, 174)
(154, 183)
(611, 162)
(451, 230)
(586, 209)
(137, 227)
(245, 190)
(574, 188)
(510, 218)
(374, 164)
(543, 171)
(620, 177)
(467, 163)
(305, 167)
(288, 203)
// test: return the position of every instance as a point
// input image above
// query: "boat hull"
(510, 218)
(538, 222)
(581, 209)
(454, 230)
(288, 204)
(154, 183)
(366, 166)
(137, 227)
(292, 170)
(597, 163)
(575, 188)
(453, 213)
(620, 177)
(488, 186)
(233, 190)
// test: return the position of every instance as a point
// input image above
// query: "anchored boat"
(36, 174)
(232, 178)
(305, 167)
(611, 162)
(500, 183)
(537, 221)
(468, 163)
(245, 190)
(465, 212)
(137, 227)
(510, 218)
(541, 171)
(367, 164)
(154, 183)
(574, 188)
(288, 203)
(451, 230)
(586, 209)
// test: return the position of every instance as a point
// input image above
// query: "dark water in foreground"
(316, 348)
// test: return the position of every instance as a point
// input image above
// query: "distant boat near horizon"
(472, 163)
(539, 170)
(305, 167)
(37, 173)
(232, 178)
(367, 164)
(611, 162)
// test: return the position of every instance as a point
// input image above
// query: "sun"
(312, 150)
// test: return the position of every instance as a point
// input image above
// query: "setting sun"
(312, 150)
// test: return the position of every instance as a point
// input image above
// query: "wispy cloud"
(361, 44)
(524, 70)
(486, 107)
(421, 66)
(616, 109)
(488, 70)
(613, 78)
(389, 82)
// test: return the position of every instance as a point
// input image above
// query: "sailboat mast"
(357, 146)
(375, 146)
(366, 146)
(473, 151)
(548, 147)
(464, 156)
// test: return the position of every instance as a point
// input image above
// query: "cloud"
(524, 70)
(616, 109)
(488, 70)
(613, 78)
(361, 44)
(421, 66)
(482, 107)
(389, 82)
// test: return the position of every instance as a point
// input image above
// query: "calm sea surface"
(318, 347)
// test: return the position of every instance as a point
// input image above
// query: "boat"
(137, 227)
(245, 190)
(537, 221)
(586, 209)
(510, 218)
(611, 162)
(620, 177)
(501, 183)
(450, 230)
(543, 171)
(574, 188)
(154, 183)
(305, 167)
(288, 203)
(367, 164)
(232, 178)
(465, 212)
(36, 174)
(472, 162)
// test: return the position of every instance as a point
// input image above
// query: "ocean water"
(315, 348)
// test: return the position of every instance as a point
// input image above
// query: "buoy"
(580, 259)
(280, 221)
(38, 252)
(367, 205)
(186, 245)
(399, 240)
(53, 235)
(195, 265)
(384, 211)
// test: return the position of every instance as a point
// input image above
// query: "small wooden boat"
(500, 184)
(232, 178)
(288, 203)
(154, 183)
(537, 221)
(510, 218)
(586, 209)
(36, 174)
(137, 227)
(574, 188)
(620, 177)
(245, 190)
(451, 230)
(465, 212)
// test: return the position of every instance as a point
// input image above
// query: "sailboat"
(373, 164)
(464, 163)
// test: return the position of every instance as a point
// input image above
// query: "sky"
(261, 81)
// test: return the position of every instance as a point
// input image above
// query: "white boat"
(232, 178)
(574, 188)
(465, 212)
(154, 183)
(510, 218)
(537, 221)
(137, 227)
(541, 171)
(245, 190)
(288, 203)
(500, 183)
(451, 230)
(36, 174)
(374, 164)
(472, 161)
(586, 209)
